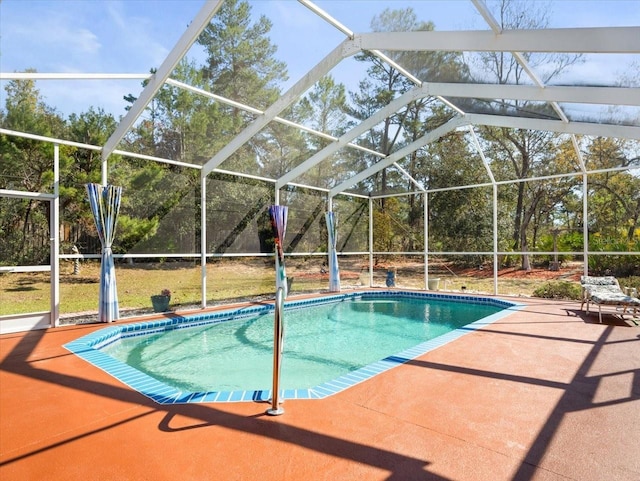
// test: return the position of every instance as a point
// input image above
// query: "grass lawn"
(227, 280)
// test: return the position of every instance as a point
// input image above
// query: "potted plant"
(161, 302)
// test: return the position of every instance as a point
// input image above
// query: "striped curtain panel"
(334, 271)
(278, 214)
(105, 204)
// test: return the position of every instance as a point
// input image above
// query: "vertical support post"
(585, 224)
(203, 241)
(278, 332)
(425, 213)
(54, 218)
(370, 242)
(495, 239)
(104, 172)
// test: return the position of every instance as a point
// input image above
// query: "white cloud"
(135, 35)
(81, 40)
(600, 69)
(116, 14)
(43, 39)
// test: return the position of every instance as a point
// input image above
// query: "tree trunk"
(526, 262)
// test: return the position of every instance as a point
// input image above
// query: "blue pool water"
(329, 344)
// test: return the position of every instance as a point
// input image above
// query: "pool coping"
(88, 348)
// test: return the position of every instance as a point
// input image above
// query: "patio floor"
(546, 393)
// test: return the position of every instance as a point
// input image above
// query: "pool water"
(321, 342)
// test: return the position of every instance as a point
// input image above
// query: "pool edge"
(88, 348)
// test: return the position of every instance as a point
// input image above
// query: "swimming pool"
(331, 343)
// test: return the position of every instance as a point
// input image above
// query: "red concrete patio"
(546, 393)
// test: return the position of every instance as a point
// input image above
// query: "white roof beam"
(397, 66)
(18, 194)
(578, 128)
(326, 17)
(42, 138)
(247, 108)
(198, 24)
(493, 23)
(485, 162)
(409, 177)
(350, 34)
(79, 145)
(359, 129)
(450, 104)
(403, 152)
(527, 68)
(217, 98)
(585, 95)
(560, 40)
(575, 94)
(576, 148)
(536, 80)
(482, 8)
(72, 76)
(345, 49)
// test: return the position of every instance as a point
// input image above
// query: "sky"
(133, 36)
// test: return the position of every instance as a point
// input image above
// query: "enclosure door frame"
(51, 318)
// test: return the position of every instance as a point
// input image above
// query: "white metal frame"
(582, 40)
(40, 320)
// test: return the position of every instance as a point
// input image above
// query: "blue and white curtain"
(334, 271)
(105, 205)
(278, 214)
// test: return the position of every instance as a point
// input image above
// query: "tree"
(461, 219)
(384, 83)
(27, 165)
(614, 197)
(324, 109)
(79, 166)
(241, 65)
(526, 152)
(184, 126)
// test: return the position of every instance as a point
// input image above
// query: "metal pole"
(104, 171)
(329, 246)
(55, 240)
(370, 242)
(203, 241)
(425, 213)
(278, 331)
(495, 239)
(585, 225)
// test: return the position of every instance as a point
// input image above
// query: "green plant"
(558, 290)
(622, 265)
(632, 281)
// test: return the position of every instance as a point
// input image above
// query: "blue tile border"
(88, 348)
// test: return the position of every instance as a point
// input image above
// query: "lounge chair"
(606, 291)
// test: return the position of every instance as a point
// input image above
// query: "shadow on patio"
(64, 419)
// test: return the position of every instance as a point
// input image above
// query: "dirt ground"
(569, 273)
(353, 269)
